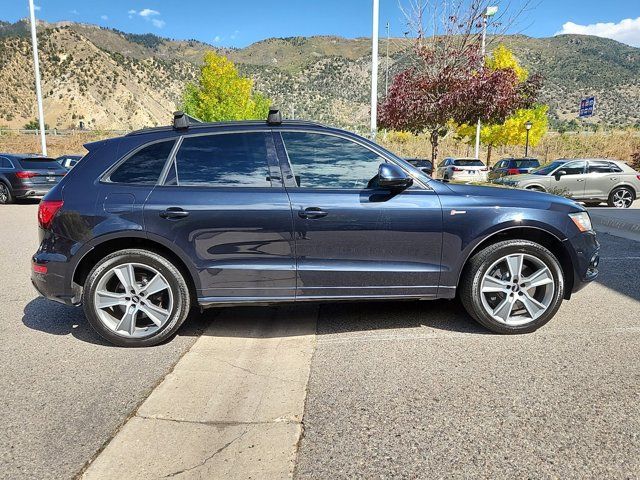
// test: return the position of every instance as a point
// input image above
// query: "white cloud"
(132, 12)
(104, 17)
(37, 8)
(147, 12)
(158, 23)
(217, 38)
(625, 31)
(74, 12)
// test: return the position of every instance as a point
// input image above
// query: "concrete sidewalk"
(231, 408)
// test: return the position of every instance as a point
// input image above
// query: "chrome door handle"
(174, 213)
(312, 212)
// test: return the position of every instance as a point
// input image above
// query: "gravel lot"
(64, 390)
(416, 390)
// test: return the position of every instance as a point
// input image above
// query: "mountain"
(114, 80)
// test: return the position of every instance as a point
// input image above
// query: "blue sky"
(241, 22)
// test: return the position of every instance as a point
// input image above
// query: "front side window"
(327, 161)
(224, 160)
(144, 166)
(574, 168)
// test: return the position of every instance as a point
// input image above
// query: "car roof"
(23, 156)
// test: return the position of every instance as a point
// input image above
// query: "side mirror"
(392, 176)
(559, 174)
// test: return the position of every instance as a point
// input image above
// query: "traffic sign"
(587, 105)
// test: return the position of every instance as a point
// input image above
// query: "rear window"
(526, 163)
(39, 164)
(468, 163)
(144, 166)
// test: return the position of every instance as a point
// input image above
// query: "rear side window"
(526, 163)
(603, 167)
(144, 166)
(223, 160)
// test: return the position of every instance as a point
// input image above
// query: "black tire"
(5, 194)
(478, 265)
(612, 201)
(175, 279)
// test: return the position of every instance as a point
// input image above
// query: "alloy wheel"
(517, 289)
(622, 198)
(4, 193)
(133, 300)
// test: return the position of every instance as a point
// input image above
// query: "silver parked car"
(591, 180)
(463, 170)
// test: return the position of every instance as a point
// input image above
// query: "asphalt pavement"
(417, 390)
(64, 391)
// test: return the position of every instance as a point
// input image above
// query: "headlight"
(582, 221)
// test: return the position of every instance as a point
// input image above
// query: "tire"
(5, 194)
(168, 307)
(621, 197)
(484, 263)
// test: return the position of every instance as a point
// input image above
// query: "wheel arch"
(111, 243)
(547, 239)
(625, 185)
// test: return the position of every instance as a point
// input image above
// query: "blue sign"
(586, 106)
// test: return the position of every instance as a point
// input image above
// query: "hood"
(501, 196)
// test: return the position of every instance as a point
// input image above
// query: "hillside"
(114, 80)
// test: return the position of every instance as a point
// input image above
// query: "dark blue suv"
(154, 223)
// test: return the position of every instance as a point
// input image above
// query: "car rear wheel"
(515, 286)
(621, 197)
(5, 194)
(135, 298)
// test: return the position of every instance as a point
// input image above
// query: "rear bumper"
(55, 253)
(28, 191)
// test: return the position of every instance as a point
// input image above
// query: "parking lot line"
(231, 408)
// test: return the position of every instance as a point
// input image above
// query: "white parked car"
(463, 170)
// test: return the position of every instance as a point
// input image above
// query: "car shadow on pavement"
(57, 319)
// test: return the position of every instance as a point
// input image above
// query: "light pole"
(36, 68)
(386, 76)
(528, 126)
(489, 12)
(374, 70)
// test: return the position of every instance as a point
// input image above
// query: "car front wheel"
(514, 286)
(135, 298)
(5, 194)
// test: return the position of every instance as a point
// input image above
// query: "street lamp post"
(374, 70)
(489, 12)
(528, 126)
(36, 68)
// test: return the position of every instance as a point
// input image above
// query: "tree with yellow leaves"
(221, 93)
(512, 131)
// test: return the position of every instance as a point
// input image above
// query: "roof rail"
(274, 117)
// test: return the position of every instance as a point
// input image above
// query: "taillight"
(47, 210)
(456, 169)
(513, 171)
(638, 177)
(26, 174)
(37, 268)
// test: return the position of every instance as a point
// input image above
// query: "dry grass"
(621, 145)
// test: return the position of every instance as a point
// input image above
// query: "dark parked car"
(27, 176)
(512, 166)
(252, 213)
(68, 161)
(425, 165)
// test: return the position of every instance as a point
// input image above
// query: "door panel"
(369, 243)
(230, 214)
(574, 181)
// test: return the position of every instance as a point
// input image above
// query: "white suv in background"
(463, 170)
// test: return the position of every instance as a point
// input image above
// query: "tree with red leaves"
(426, 99)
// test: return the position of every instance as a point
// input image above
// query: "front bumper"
(585, 252)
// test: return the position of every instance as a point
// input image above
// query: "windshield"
(527, 163)
(468, 163)
(547, 169)
(39, 164)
